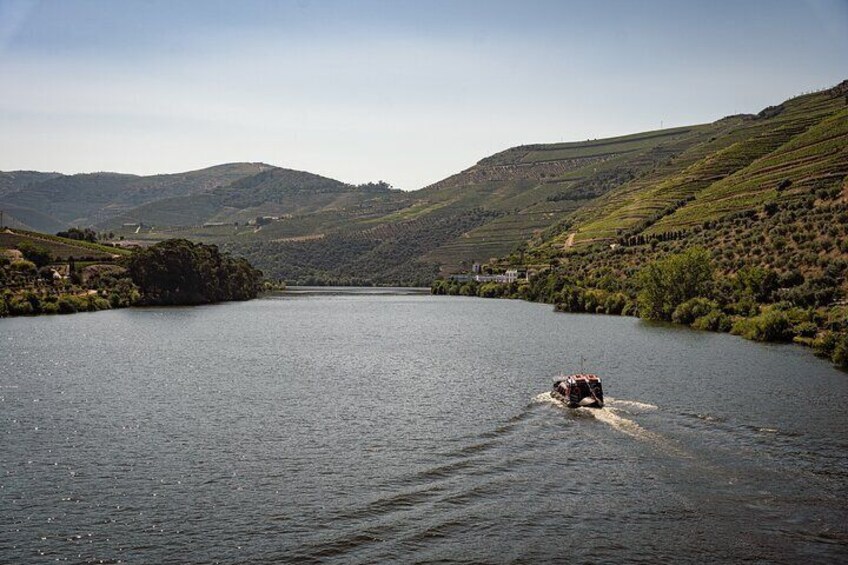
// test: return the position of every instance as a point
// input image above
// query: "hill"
(272, 192)
(59, 248)
(535, 204)
(50, 202)
(530, 205)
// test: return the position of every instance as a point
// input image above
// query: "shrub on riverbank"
(31, 302)
(668, 283)
(772, 325)
(693, 309)
(713, 321)
(833, 345)
(683, 288)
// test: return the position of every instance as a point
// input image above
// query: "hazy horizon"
(405, 92)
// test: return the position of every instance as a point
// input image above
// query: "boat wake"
(629, 404)
(624, 425)
(609, 415)
(547, 398)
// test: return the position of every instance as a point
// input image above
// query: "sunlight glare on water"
(378, 428)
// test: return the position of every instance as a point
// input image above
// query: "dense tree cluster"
(178, 271)
(171, 272)
(672, 281)
(85, 234)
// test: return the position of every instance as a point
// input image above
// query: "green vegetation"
(26, 289)
(739, 225)
(51, 202)
(686, 287)
(181, 272)
(85, 234)
(60, 248)
(38, 255)
(34, 281)
(535, 204)
(672, 286)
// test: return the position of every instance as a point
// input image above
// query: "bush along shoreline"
(170, 273)
(685, 288)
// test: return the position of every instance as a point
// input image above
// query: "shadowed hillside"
(532, 204)
(50, 202)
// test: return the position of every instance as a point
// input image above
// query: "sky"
(408, 92)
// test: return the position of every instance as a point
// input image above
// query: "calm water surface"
(376, 428)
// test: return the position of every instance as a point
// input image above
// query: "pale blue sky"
(408, 92)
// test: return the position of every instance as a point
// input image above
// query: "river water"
(372, 428)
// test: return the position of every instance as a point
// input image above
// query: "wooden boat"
(579, 390)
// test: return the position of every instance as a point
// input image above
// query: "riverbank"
(170, 273)
(685, 289)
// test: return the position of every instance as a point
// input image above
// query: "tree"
(78, 234)
(759, 282)
(35, 253)
(667, 283)
(177, 271)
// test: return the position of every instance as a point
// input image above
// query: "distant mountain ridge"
(51, 201)
(532, 203)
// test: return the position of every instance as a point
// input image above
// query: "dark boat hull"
(577, 402)
(579, 392)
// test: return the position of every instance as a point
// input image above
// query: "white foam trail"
(608, 416)
(629, 427)
(634, 430)
(630, 403)
(546, 398)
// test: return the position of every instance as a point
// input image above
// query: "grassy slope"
(59, 247)
(273, 192)
(53, 202)
(816, 158)
(539, 186)
(737, 170)
(547, 199)
(596, 190)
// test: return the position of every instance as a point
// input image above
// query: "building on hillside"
(510, 276)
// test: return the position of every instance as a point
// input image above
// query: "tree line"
(685, 288)
(172, 272)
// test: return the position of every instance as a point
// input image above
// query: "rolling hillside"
(735, 171)
(50, 202)
(532, 204)
(60, 248)
(272, 192)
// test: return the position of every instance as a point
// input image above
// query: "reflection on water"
(399, 427)
(349, 291)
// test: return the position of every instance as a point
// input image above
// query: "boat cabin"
(579, 390)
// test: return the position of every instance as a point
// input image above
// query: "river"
(373, 428)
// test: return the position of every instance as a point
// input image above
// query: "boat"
(579, 390)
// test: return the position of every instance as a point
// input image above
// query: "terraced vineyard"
(808, 161)
(534, 204)
(60, 249)
(538, 188)
(802, 141)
